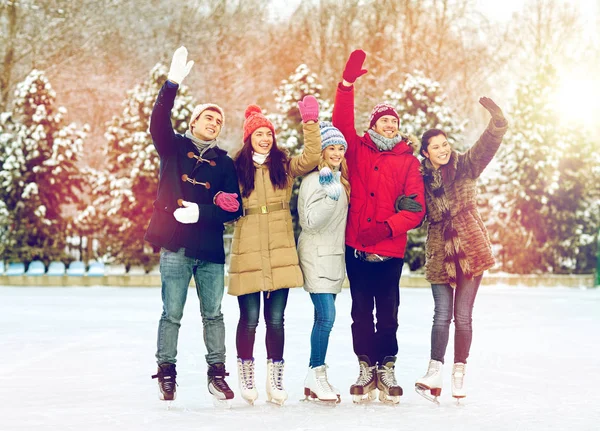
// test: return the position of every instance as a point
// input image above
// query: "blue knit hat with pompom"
(330, 135)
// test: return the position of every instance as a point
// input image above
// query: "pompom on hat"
(254, 120)
(379, 111)
(199, 109)
(330, 135)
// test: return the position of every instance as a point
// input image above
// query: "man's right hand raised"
(353, 69)
(180, 67)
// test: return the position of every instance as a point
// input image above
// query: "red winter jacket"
(377, 178)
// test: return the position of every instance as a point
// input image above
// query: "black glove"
(408, 203)
(494, 110)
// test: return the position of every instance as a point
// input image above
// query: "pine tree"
(288, 122)
(422, 105)
(543, 198)
(39, 176)
(126, 188)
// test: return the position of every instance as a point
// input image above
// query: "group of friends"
(359, 196)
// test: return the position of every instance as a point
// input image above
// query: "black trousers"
(374, 287)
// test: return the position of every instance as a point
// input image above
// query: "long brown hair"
(277, 163)
(343, 170)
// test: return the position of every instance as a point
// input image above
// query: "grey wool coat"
(456, 232)
(321, 244)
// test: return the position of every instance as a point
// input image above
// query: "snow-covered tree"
(422, 105)
(543, 198)
(288, 122)
(125, 188)
(39, 176)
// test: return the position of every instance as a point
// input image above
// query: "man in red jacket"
(382, 168)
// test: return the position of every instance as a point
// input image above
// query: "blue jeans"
(246, 329)
(324, 317)
(458, 302)
(176, 270)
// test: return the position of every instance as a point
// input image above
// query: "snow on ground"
(81, 359)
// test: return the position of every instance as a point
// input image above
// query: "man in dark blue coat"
(198, 191)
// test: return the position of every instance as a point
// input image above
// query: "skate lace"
(277, 376)
(167, 381)
(434, 367)
(220, 383)
(247, 371)
(387, 376)
(365, 375)
(458, 376)
(326, 381)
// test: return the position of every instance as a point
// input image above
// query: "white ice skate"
(431, 382)
(316, 386)
(246, 380)
(275, 392)
(365, 388)
(458, 380)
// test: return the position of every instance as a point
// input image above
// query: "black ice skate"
(389, 390)
(364, 389)
(167, 383)
(217, 385)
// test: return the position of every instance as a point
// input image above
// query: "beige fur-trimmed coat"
(456, 232)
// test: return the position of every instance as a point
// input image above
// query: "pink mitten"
(227, 201)
(309, 109)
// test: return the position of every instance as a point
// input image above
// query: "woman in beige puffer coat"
(263, 252)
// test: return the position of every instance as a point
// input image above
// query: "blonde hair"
(343, 170)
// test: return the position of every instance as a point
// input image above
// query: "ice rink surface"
(81, 359)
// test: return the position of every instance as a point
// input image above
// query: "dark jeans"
(324, 317)
(176, 271)
(374, 286)
(273, 313)
(458, 302)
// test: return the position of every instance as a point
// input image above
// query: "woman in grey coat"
(323, 207)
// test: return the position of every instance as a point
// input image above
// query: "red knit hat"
(254, 120)
(381, 110)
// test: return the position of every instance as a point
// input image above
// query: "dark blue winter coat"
(203, 239)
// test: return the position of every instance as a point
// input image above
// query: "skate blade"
(364, 398)
(278, 403)
(222, 403)
(318, 402)
(458, 403)
(425, 393)
(389, 399)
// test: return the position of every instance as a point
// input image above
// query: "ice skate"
(431, 382)
(317, 388)
(217, 385)
(275, 392)
(167, 384)
(458, 380)
(389, 390)
(364, 390)
(246, 380)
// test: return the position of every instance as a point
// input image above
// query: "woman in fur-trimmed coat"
(458, 248)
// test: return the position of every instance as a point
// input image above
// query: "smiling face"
(208, 125)
(334, 155)
(438, 151)
(386, 126)
(262, 140)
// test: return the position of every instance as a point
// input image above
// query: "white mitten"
(188, 214)
(180, 67)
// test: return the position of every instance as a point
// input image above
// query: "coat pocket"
(330, 262)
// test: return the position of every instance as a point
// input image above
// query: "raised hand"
(309, 109)
(493, 109)
(331, 183)
(180, 67)
(188, 214)
(227, 201)
(408, 203)
(353, 69)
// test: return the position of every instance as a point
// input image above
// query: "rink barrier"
(409, 280)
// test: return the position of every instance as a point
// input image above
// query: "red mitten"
(374, 234)
(227, 201)
(354, 66)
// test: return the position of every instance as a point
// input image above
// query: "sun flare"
(577, 100)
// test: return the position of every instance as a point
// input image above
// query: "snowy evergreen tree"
(126, 187)
(422, 105)
(543, 200)
(288, 122)
(39, 176)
